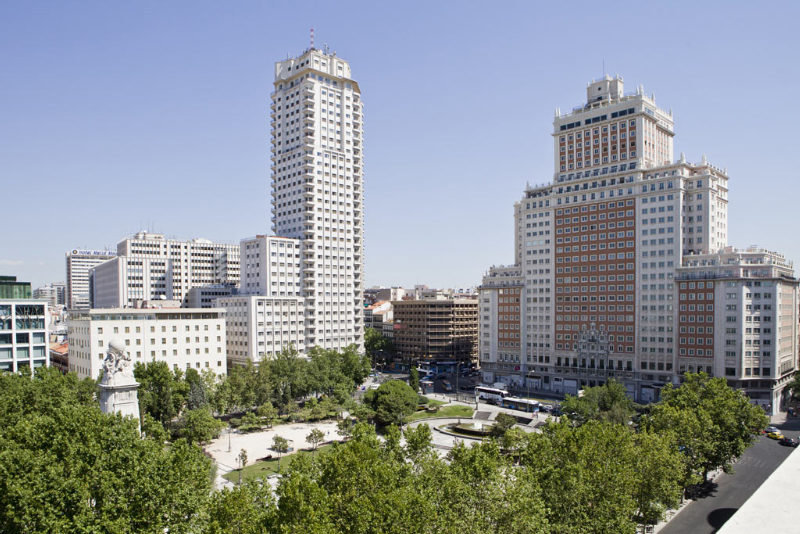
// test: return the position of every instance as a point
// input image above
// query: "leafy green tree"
(67, 467)
(345, 427)
(242, 459)
(199, 426)
(713, 424)
(609, 402)
(413, 379)
(503, 422)
(289, 377)
(588, 475)
(249, 508)
(794, 386)
(315, 437)
(268, 413)
(160, 394)
(281, 446)
(419, 441)
(659, 469)
(393, 401)
(375, 342)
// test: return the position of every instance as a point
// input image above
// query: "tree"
(67, 467)
(659, 468)
(281, 446)
(197, 396)
(418, 441)
(375, 343)
(393, 401)
(587, 473)
(413, 379)
(315, 437)
(345, 427)
(159, 394)
(609, 402)
(199, 426)
(502, 424)
(713, 424)
(248, 508)
(794, 386)
(268, 413)
(242, 458)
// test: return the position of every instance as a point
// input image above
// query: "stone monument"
(118, 386)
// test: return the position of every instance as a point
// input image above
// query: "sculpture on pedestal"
(117, 385)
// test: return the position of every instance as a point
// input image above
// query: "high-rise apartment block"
(149, 267)
(79, 263)
(592, 293)
(55, 294)
(317, 190)
(303, 286)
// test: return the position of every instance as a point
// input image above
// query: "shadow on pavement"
(701, 491)
(718, 517)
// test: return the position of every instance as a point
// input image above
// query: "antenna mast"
(312, 38)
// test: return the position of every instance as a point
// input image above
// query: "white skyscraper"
(79, 263)
(317, 190)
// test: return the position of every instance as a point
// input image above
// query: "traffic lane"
(709, 513)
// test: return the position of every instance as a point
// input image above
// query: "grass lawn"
(434, 402)
(453, 410)
(267, 467)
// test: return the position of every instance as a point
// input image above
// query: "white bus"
(490, 395)
(525, 405)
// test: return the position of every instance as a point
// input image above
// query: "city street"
(708, 514)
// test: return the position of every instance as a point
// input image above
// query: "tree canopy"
(393, 401)
(67, 467)
(712, 423)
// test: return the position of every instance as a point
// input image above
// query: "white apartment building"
(271, 265)
(206, 296)
(738, 318)
(23, 334)
(261, 327)
(79, 263)
(183, 337)
(148, 267)
(597, 250)
(55, 294)
(317, 190)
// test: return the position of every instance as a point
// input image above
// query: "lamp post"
(458, 372)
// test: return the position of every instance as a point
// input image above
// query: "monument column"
(118, 387)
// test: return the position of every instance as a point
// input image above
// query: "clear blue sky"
(120, 116)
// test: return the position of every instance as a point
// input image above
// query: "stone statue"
(118, 385)
(117, 368)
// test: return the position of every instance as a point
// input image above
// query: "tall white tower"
(317, 190)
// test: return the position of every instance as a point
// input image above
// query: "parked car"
(789, 442)
(775, 435)
(546, 407)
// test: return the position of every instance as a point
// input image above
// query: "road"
(708, 514)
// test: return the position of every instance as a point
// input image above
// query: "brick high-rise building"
(596, 253)
(436, 329)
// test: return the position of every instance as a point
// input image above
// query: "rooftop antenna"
(312, 38)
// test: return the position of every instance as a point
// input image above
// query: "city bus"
(490, 395)
(525, 405)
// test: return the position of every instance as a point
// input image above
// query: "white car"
(771, 429)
